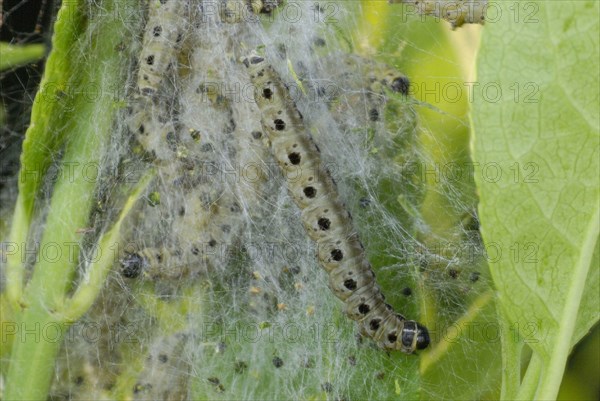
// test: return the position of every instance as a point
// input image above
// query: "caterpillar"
(199, 216)
(233, 11)
(456, 12)
(164, 31)
(359, 93)
(191, 149)
(162, 38)
(325, 218)
(195, 145)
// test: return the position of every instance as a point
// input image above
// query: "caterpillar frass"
(457, 12)
(162, 38)
(162, 375)
(325, 218)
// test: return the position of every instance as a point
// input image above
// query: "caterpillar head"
(391, 331)
(253, 61)
(414, 337)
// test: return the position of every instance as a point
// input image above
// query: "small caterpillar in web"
(162, 38)
(456, 12)
(325, 217)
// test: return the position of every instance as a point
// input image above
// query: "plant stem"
(15, 56)
(531, 381)
(555, 369)
(42, 139)
(438, 351)
(90, 122)
(511, 358)
(97, 271)
(34, 352)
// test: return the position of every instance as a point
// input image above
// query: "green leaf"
(45, 134)
(537, 144)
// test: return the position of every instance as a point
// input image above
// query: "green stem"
(531, 380)
(511, 358)
(555, 369)
(440, 349)
(15, 56)
(42, 139)
(97, 271)
(90, 119)
(34, 351)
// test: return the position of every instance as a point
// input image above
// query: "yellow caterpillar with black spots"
(165, 29)
(162, 38)
(325, 217)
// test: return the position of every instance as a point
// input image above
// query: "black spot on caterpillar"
(162, 38)
(325, 218)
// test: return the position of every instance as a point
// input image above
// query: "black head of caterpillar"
(325, 218)
(378, 320)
